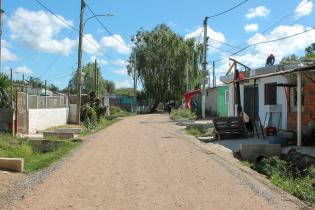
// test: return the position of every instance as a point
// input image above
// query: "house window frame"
(265, 92)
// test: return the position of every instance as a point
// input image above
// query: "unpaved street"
(145, 162)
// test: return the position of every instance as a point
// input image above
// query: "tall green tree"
(310, 51)
(163, 59)
(88, 86)
(5, 95)
(35, 82)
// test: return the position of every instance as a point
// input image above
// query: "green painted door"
(222, 101)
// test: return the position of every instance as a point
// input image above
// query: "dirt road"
(145, 162)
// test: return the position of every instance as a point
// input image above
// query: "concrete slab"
(200, 124)
(43, 145)
(69, 130)
(256, 152)
(12, 164)
(58, 135)
(234, 144)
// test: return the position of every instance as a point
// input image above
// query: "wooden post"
(299, 109)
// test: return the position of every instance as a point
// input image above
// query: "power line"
(105, 28)
(265, 42)
(71, 26)
(228, 10)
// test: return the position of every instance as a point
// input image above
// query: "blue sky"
(36, 43)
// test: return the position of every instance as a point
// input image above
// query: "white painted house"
(262, 97)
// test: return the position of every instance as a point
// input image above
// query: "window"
(293, 99)
(271, 93)
(226, 96)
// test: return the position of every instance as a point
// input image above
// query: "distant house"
(216, 101)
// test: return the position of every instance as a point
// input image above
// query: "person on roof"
(270, 60)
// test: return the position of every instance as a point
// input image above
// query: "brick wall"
(309, 107)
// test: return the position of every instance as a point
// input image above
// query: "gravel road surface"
(147, 162)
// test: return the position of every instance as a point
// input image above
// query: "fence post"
(26, 102)
(36, 101)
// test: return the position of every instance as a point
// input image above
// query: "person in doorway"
(270, 60)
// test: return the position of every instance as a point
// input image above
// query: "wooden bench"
(229, 127)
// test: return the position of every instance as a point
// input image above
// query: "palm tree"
(4, 91)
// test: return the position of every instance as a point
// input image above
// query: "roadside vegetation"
(14, 147)
(182, 114)
(288, 177)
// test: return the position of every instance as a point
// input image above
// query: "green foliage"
(88, 86)
(53, 88)
(310, 51)
(34, 161)
(294, 59)
(163, 58)
(124, 91)
(35, 82)
(5, 94)
(88, 116)
(195, 132)
(283, 174)
(182, 114)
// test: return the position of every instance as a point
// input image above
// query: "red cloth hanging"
(188, 97)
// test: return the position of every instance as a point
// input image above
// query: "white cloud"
(260, 11)
(198, 35)
(279, 49)
(124, 84)
(38, 30)
(251, 27)
(6, 54)
(99, 61)
(91, 46)
(23, 70)
(121, 71)
(304, 8)
(115, 42)
(120, 62)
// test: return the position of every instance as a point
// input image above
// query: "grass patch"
(102, 123)
(182, 114)
(284, 175)
(195, 132)
(66, 126)
(34, 161)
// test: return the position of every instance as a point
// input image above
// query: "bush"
(182, 114)
(88, 116)
(283, 174)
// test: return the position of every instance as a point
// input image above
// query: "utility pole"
(213, 76)
(1, 12)
(95, 78)
(135, 83)
(11, 78)
(187, 77)
(193, 69)
(79, 73)
(204, 68)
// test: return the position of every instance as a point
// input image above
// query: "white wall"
(72, 113)
(41, 119)
(281, 98)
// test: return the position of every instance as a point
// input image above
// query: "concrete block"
(12, 164)
(58, 135)
(69, 130)
(43, 145)
(256, 152)
(200, 125)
